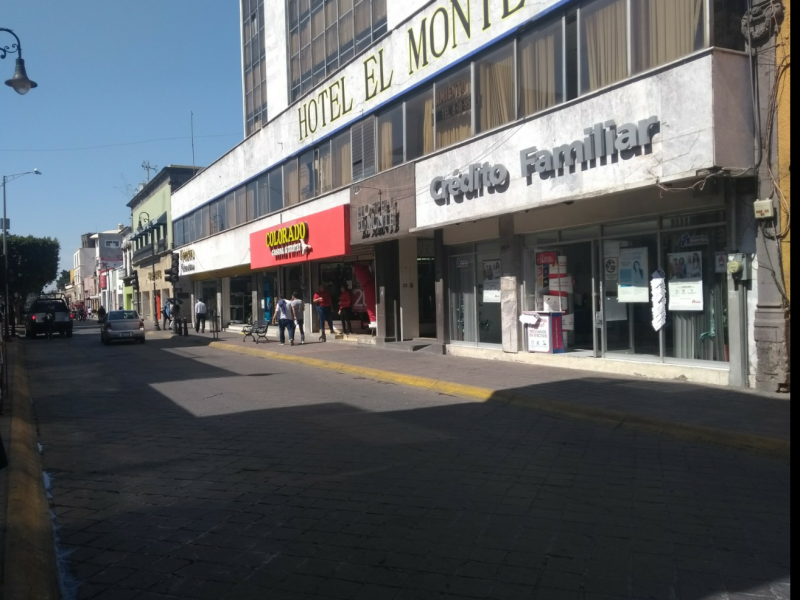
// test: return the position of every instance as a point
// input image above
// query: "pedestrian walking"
(101, 314)
(165, 315)
(176, 320)
(89, 312)
(345, 310)
(200, 316)
(298, 312)
(322, 302)
(285, 321)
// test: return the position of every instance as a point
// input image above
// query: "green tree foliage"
(32, 264)
(63, 280)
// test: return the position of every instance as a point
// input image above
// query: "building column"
(510, 276)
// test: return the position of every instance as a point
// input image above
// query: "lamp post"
(144, 216)
(7, 178)
(20, 82)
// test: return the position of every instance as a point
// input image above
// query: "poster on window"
(685, 287)
(545, 260)
(633, 285)
(491, 281)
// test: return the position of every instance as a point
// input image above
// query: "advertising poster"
(544, 261)
(720, 262)
(611, 268)
(491, 281)
(685, 289)
(539, 335)
(633, 284)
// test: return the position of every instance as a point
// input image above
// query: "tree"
(63, 280)
(32, 264)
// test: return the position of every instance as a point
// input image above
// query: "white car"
(122, 325)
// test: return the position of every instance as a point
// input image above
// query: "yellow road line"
(683, 431)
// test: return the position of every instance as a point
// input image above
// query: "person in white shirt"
(200, 316)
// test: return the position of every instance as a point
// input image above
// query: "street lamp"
(7, 178)
(144, 216)
(20, 82)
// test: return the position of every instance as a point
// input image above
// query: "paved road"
(179, 471)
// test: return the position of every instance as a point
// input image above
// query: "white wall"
(277, 60)
(693, 136)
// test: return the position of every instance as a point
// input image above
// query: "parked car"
(34, 317)
(122, 325)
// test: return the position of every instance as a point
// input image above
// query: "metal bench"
(256, 332)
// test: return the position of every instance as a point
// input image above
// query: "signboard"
(384, 209)
(611, 268)
(187, 263)
(545, 334)
(325, 234)
(685, 280)
(633, 285)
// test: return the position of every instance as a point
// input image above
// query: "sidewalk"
(732, 417)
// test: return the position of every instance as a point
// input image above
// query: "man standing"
(165, 314)
(200, 316)
(176, 314)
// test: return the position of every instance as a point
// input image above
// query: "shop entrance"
(426, 289)
(475, 295)
(241, 306)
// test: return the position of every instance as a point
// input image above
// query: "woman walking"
(285, 321)
(322, 302)
(298, 312)
(345, 305)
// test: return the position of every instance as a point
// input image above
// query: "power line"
(169, 139)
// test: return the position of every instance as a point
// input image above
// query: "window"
(540, 69)
(251, 197)
(419, 124)
(603, 37)
(453, 108)
(325, 34)
(230, 211)
(323, 161)
(241, 206)
(665, 30)
(291, 191)
(204, 221)
(340, 160)
(275, 190)
(254, 64)
(390, 138)
(112, 244)
(177, 232)
(495, 88)
(197, 217)
(363, 148)
(308, 175)
(262, 204)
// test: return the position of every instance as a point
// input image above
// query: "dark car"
(35, 317)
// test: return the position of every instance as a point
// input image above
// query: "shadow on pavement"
(324, 498)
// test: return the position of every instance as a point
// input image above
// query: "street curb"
(30, 563)
(683, 431)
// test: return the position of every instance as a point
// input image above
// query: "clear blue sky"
(112, 73)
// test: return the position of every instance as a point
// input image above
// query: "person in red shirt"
(345, 306)
(322, 302)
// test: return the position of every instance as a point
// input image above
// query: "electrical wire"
(117, 145)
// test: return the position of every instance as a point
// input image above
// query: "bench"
(256, 331)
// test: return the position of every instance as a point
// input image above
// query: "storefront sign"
(452, 100)
(602, 140)
(633, 269)
(103, 282)
(700, 239)
(472, 182)
(462, 263)
(187, 261)
(378, 219)
(322, 235)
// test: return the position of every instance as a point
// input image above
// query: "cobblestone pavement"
(195, 473)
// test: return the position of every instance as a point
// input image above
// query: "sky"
(118, 80)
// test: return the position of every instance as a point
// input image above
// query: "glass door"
(462, 299)
(487, 299)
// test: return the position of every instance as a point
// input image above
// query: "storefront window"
(390, 138)
(419, 124)
(665, 30)
(695, 261)
(241, 299)
(453, 108)
(495, 88)
(462, 299)
(540, 69)
(603, 43)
